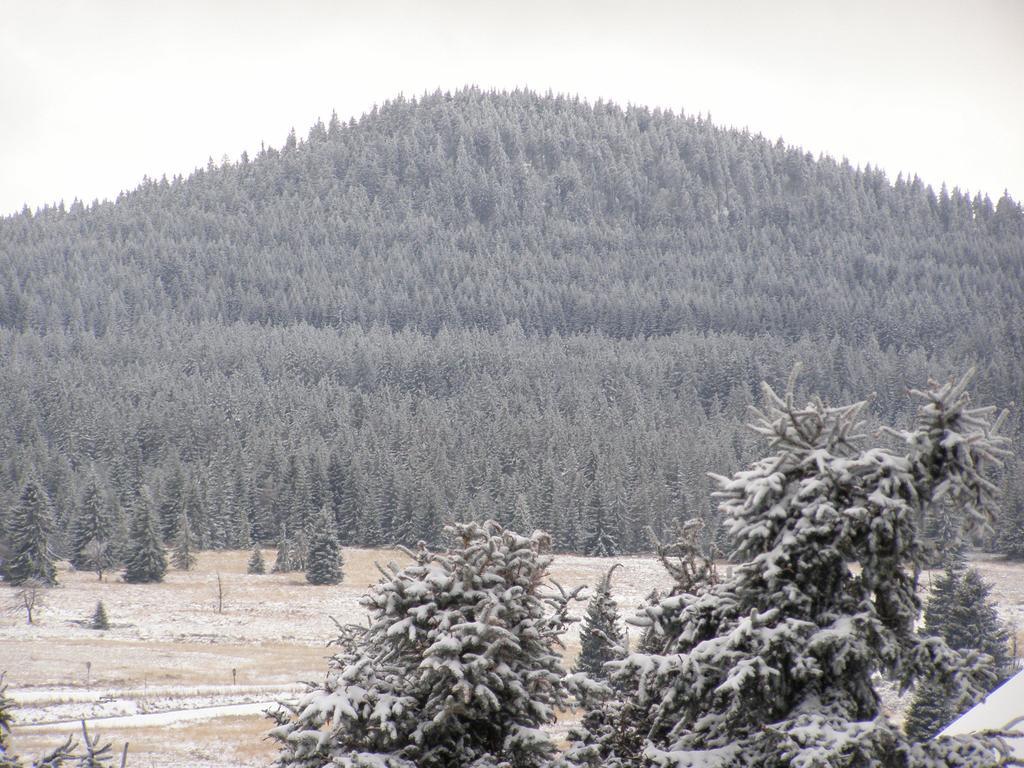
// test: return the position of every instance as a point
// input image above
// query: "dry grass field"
(185, 685)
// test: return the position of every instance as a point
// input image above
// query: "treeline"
(478, 306)
(247, 431)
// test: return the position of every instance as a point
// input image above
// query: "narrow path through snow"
(53, 695)
(149, 719)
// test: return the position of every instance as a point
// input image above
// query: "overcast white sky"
(94, 95)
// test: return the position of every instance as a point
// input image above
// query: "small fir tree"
(93, 532)
(1009, 539)
(30, 531)
(650, 639)
(602, 637)
(961, 612)
(147, 562)
(283, 563)
(99, 617)
(460, 665)
(256, 565)
(615, 718)
(325, 562)
(184, 555)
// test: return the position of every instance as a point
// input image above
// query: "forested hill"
(478, 210)
(511, 305)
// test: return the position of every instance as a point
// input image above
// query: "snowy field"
(186, 685)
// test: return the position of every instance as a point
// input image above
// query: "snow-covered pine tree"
(99, 619)
(183, 556)
(319, 491)
(299, 550)
(521, 519)
(602, 636)
(147, 561)
(1009, 539)
(961, 612)
(427, 516)
(460, 664)
(240, 535)
(602, 640)
(775, 665)
(196, 511)
(324, 564)
(256, 565)
(172, 503)
(30, 529)
(336, 488)
(650, 641)
(599, 536)
(94, 532)
(974, 623)
(283, 562)
(616, 718)
(350, 501)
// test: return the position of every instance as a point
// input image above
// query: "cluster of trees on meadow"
(97, 545)
(479, 306)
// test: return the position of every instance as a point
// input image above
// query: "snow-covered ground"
(47, 707)
(186, 685)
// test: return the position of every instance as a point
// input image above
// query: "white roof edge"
(1001, 710)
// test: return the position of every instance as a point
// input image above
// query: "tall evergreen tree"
(299, 550)
(30, 531)
(318, 488)
(428, 522)
(325, 563)
(602, 638)
(183, 555)
(94, 532)
(284, 563)
(172, 503)
(1009, 539)
(350, 503)
(336, 478)
(599, 531)
(240, 532)
(147, 561)
(521, 520)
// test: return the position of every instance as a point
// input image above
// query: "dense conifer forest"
(477, 306)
